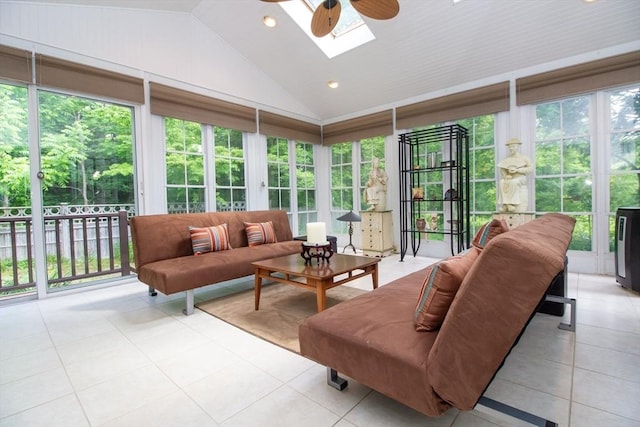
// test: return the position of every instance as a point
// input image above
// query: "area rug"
(282, 309)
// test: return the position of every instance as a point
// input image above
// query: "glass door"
(87, 181)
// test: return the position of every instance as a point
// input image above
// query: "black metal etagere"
(434, 179)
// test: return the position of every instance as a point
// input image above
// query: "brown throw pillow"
(488, 232)
(440, 287)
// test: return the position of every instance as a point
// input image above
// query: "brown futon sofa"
(384, 339)
(165, 259)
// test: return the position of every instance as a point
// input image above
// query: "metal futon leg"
(152, 292)
(188, 310)
(515, 412)
(571, 326)
(335, 381)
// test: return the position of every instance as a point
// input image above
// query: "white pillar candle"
(316, 233)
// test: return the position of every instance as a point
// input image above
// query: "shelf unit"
(434, 164)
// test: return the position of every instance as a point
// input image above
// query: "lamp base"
(350, 245)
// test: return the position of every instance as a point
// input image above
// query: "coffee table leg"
(258, 287)
(374, 276)
(321, 293)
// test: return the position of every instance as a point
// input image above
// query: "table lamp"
(351, 217)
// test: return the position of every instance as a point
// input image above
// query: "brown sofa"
(373, 338)
(164, 255)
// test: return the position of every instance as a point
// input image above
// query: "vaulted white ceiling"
(431, 47)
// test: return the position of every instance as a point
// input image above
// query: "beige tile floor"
(117, 357)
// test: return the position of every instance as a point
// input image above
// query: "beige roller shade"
(285, 127)
(15, 64)
(63, 74)
(471, 103)
(579, 79)
(180, 104)
(376, 124)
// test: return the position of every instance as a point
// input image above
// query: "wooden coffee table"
(292, 270)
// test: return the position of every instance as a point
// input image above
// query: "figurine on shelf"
(417, 193)
(514, 169)
(421, 224)
(375, 194)
(433, 224)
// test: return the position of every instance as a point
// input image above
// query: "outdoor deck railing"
(79, 247)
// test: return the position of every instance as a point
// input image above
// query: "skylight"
(349, 33)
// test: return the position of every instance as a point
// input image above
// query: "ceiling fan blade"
(377, 9)
(325, 17)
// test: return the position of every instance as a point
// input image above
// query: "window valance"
(285, 127)
(461, 105)
(15, 64)
(63, 74)
(370, 125)
(180, 104)
(579, 79)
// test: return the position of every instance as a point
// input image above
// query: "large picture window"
(231, 189)
(563, 173)
(295, 193)
(369, 148)
(624, 159)
(305, 186)
(482, 156)
(342, 184)
(185, 166)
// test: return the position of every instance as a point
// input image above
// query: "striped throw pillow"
(440, 288)
(488, 232)
(210, 239)
(259, 233)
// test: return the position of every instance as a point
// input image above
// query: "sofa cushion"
(488, 232)
(209, 239)
(259, 233)
(439, 288)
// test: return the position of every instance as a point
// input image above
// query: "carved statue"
(375, 194)
(514, 168)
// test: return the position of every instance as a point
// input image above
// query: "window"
(369, 148)
(482, 158)
(86, 149)
(624, 159)
(15, 182)
(185, 166)
(231, 190)
(278, 171)
(342, 184)
(305, 186)
(563, 174)
(295, 194)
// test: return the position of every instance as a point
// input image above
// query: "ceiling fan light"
(332, 84)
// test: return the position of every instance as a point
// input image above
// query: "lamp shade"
(351, 217)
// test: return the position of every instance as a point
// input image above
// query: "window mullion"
(209, 167)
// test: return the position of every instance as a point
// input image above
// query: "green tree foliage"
(15, 183)
(86, 151)
(229, 164)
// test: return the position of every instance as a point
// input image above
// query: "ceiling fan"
(327, 14)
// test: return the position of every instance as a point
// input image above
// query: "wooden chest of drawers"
(377, 233)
